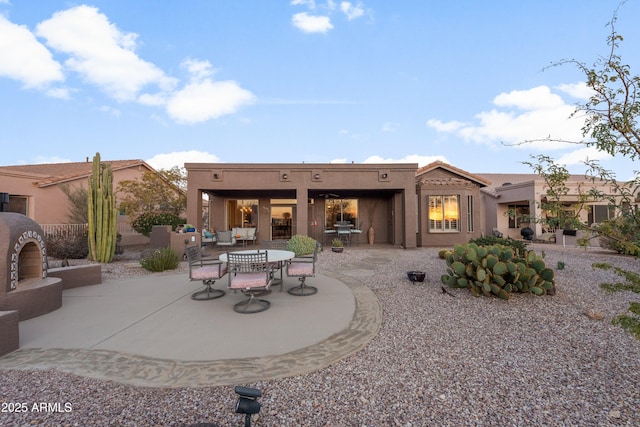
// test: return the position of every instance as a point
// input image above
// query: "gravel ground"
(438, 360)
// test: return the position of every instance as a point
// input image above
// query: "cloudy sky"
(292, 81)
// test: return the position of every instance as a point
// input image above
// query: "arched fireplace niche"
(24, 285)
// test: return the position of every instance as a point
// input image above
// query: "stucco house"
(435, 205)
(36, 190)
(450, 207)
(513, 202)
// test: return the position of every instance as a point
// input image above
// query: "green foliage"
(628, 322)
(560, 265)
(301, 245)
(497, 270)
(337, 243)
(160, 192)
(78, 206)
(101, 212)
(145, 222)
(160, 259)
(442, 253)
(518, 245)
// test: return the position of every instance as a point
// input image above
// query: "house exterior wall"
(48, 204)
(381, 190)
(442, 182)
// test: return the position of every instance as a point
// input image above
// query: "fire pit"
(416, 276)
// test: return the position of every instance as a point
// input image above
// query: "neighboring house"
(36, 190)
(512, 202)
(450, 206)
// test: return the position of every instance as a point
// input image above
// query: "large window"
(444, 214)
(600, 213)
(341, 210)
(242, 213)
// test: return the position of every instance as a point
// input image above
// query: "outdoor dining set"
(252, 272)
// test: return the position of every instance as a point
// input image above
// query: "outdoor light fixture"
(285, 176)
(385, 175)
(216, 176)
(316, 176)
(247, 403)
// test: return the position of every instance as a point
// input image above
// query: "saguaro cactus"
(102, 213)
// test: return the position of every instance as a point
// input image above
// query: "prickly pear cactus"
(497, 270)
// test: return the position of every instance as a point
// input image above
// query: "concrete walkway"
(149, 332)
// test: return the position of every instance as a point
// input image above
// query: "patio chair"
(250, 273)
(225, 238)
(344, 233)
(303, 267)
(206, 269)
(280, 244)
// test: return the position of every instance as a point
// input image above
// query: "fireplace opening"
(29, 262)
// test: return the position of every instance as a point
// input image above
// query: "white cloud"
(44, 160)
(24, 58)
(578, 90)
(111, 111)
(198, 70)
(179, 158)
(580, 155)
(60, 93)
(101, 53)
(411, 158)
(311, 4)
(311, 23)
(202, 101)
(534, 115)
(351, 11)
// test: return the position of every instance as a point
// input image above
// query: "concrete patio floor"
(148, 331)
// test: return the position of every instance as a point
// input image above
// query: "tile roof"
(52, 173)
(464, 174)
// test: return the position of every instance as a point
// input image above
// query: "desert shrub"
(621, 235)
(631, 321)
(519, 245)
(67, 245)
(145, 222)
(301, 245)
(160, 259)
(497, 270)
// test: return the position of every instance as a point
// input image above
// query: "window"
(444, 214)
(242, 213)
(341, 210)
(469, 213)
(518, 215)
(600, 213)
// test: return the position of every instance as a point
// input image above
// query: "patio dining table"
(273, 256)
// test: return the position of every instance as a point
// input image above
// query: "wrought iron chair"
(225, 238)
(344, 232)
(280, 244)
(303, 267)
(206, 269)
(252, 274)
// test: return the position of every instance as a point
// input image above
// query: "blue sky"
(301, 81)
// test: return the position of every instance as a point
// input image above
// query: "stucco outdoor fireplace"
(24, 285)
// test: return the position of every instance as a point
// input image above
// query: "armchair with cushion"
(208, 237)
(225, 238)
(303, 267)
(245, 234)
(206, 269)
(250, 273)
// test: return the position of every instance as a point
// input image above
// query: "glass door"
(281, 222)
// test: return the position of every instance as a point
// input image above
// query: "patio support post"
(302, 214)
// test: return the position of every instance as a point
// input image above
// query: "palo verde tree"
(157, 198)
(102, 214)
